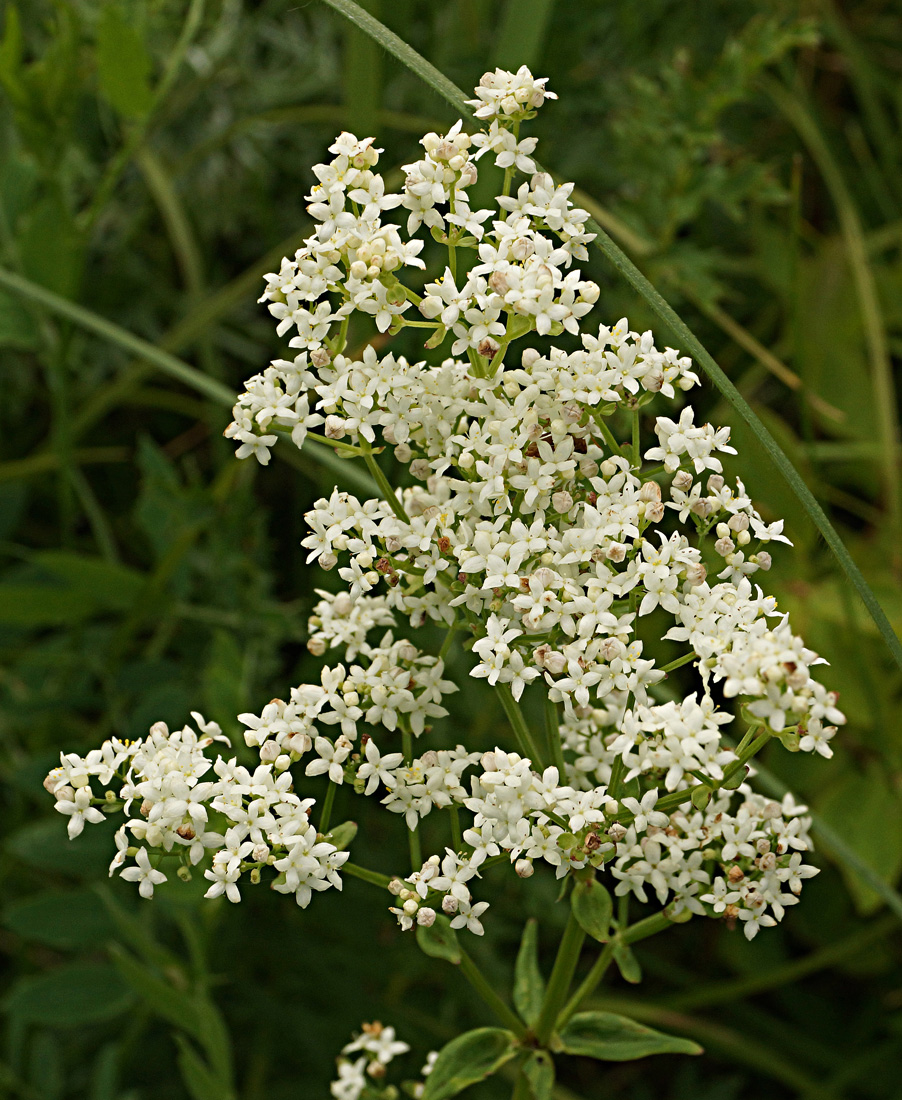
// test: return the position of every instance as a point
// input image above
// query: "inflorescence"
(532, 520)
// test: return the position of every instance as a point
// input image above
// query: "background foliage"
(153, 162)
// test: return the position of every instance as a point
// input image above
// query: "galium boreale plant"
(541, 523)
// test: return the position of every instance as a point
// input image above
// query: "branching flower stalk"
(532, 518)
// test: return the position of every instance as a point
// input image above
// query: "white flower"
(468, 917)
(146, 876)
(378, 768)
(78, 809)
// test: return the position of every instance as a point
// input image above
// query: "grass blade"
(169, 364)
(689, 343)
(863, 277)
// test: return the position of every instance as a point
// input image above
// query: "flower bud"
(395, 886)
(682, 480)
(696, 573)
(654, 512)
(411, 906)
(650, 492)
(616, 551)
(530, 357)
(403, 453)
(420, 469)
(524, 868)
(426, 916)
(764, 560)
(334, 427)
(562, 502)
(449, 904)
(269, 750)
(317, 646)
(327, 561)
(555, 663)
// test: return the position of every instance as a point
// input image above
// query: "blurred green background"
(154, 156)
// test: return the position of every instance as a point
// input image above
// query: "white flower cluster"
(377, 1048)
(248, 819)
(529, 519)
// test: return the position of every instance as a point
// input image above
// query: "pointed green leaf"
(469, 1058)
(123, 65)
(439, 940)
(593, 908)
(627, 963)
(612, 1038)
(66, 919)
(69, 996)
(343, 835)
(202, 1083)
(538, 1069)
(529, 985)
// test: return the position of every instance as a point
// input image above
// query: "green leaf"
(225, 680)
(17, 327)
(110, 584)
(529, 985)
(627, 963)
(342, 837)
(593, 908)
(46, 845)
(51, 246)
(538, 1069)
(440, 940)
(175, 1005)
(613, 1038)
(123, 65)
(68, 996)
(201, 1082)
(66, 919)
(867, 814)
(469, 1058)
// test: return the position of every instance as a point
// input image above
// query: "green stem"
(679, 662)
(385, 487)
(641, 930)
(366, 875)
(456, 837)
(337, 443)
(518, 725)
(327, 808)
(607, 435)
(480, 984)
(589, 984)
(561, 976)
(416, 850)
(616, 777)
(552, 726)
(637, 460)
(446, 644)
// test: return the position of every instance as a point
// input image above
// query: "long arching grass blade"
(689, 343)
(168, 364)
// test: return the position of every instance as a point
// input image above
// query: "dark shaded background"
(153, 162)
